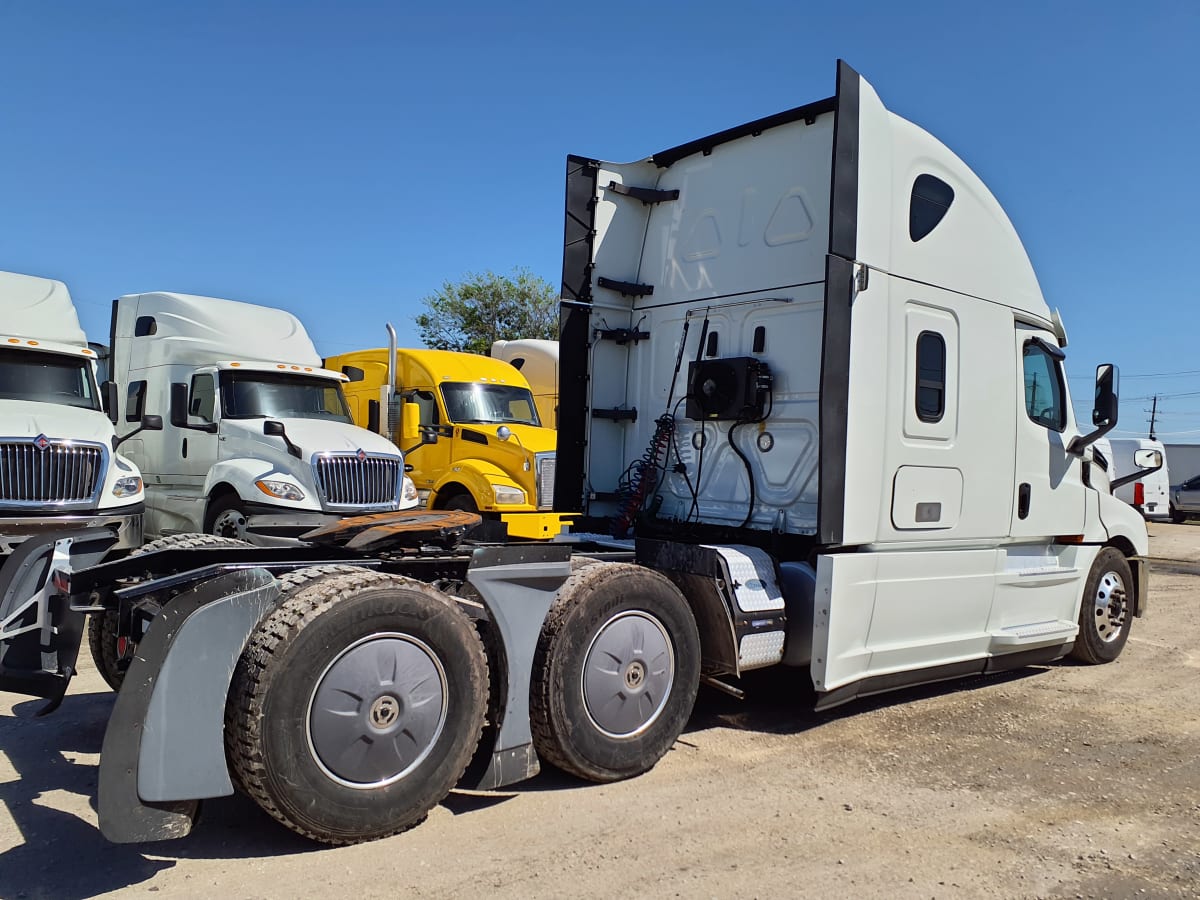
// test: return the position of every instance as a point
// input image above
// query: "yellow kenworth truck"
(469, 427)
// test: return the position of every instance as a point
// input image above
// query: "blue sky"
(343, 160)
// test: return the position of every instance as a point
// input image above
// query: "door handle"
(185, 448)
(1023, 493)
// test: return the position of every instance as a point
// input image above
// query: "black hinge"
(646, 195)
(617, 415)
(626, 288)
(623, 335)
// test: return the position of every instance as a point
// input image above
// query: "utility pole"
(1153, 415)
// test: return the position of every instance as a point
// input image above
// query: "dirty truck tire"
(356, 707)
(102, 627)
(102, 641)
(1106, 612)
(615, 674)
(1178, 517)
(289, 583)
(462, 501)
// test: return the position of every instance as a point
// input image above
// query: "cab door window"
(1044, 394)
(202, 398)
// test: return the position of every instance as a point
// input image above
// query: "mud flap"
(164, 748)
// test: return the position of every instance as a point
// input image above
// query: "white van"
(259, 436)
(59, 465)
(1151, 494)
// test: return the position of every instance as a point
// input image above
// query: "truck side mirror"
(1104, 411)
(271, 428)
(410, 423)
(1147, 461)
(108, 400)
(148, 423)
(178, 411)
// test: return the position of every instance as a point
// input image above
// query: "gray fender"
(518, 585)
(164, 747)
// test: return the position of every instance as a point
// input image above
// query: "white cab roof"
(39, 309)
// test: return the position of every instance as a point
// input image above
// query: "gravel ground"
(1059, 781)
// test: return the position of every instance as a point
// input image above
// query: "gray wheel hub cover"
(377, 710)
(628, 674)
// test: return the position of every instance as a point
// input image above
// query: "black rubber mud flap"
(177, 736)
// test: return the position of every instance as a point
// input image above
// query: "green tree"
(487, 307)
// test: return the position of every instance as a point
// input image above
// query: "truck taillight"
(1139, 493)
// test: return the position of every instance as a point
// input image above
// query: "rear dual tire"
(356, 706)
(615, 674)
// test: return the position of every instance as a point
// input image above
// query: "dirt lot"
(1060, 781)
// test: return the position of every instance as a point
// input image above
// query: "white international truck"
(59, 465)
(818, 419)
(259, 434)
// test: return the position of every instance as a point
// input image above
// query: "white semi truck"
(819, 419)
(59, 465)
(259, 434)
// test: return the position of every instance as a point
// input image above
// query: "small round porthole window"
(930, 201)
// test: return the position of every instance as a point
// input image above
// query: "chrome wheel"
(377, 710)
(1110, 607)
(627, 674)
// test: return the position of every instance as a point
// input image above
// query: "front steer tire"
(1106, 611)
(615, 673)
(356, 706)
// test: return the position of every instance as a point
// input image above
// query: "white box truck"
(59, 465)
(259, 435)
(842, 441)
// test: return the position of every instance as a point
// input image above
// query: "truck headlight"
(508, 496)
(127, 486)
(284, 490)
(409, 491)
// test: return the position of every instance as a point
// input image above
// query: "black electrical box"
(728, 389)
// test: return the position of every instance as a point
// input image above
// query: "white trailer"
(259, 434)
(868, 469)
(59, 465)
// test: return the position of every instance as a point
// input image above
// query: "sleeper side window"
(1043, 388)
(931, 376)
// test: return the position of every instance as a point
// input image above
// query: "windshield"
(266, 395)
(47, 378)
(499, 404)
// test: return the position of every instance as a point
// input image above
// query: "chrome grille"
(545, 480)
(61, 472)
(346, 481)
